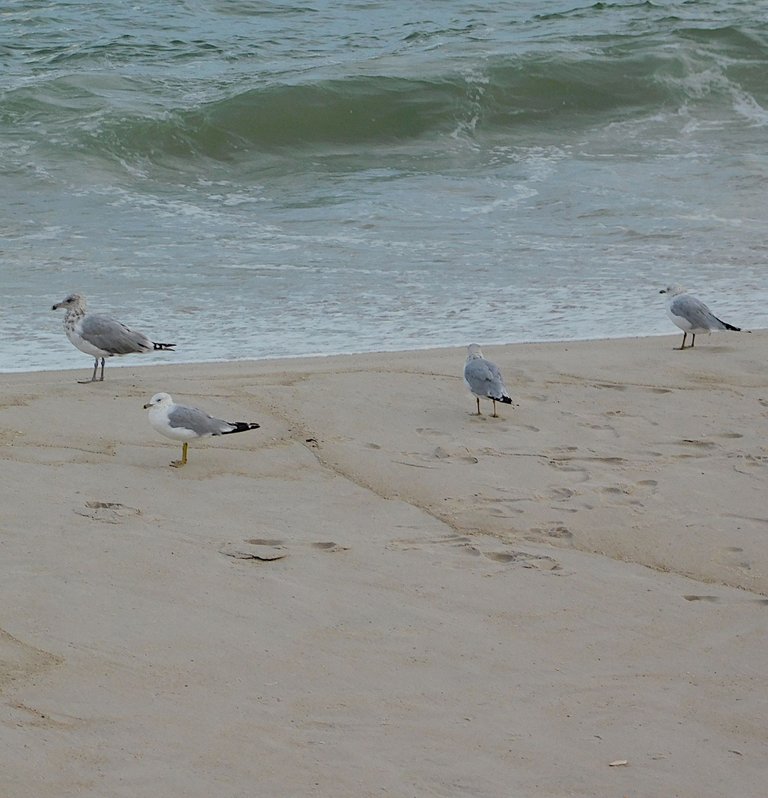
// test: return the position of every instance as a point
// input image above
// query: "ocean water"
(264, 179)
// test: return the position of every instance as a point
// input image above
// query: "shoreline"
(119, 362)
(379, 592)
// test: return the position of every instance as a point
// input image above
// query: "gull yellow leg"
(183, 461)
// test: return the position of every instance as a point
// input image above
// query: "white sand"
(459, 605)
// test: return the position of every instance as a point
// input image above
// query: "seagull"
(691, 315)
(101, 336)
(484, 380)
(182, 423)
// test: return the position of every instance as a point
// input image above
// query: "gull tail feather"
(729, 326)
(240, 426)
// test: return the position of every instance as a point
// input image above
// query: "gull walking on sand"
(182, 423)
(484, 380)
(101, 336)
(691, 315)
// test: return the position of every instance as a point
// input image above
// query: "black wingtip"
(728, 326)
(240, 426)
(164, 346)
(505, 400)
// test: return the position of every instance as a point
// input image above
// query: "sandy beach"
(379, 593)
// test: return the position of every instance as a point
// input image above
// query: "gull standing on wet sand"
(101, 336)
(691, 315)
(484, 380)
(182, 423)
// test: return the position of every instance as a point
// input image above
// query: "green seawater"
(256, 179)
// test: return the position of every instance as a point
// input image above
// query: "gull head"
(474, 351)
(673, 290)
(76, 301)
(159, 400)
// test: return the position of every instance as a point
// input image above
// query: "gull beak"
(56, 306)
(148, 404)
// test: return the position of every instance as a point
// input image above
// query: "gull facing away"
(691, 315)
(182, 423)
(484, 380)
(101, 336)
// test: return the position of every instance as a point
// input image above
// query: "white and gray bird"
(484, 379)
(182, 423)
(101, 336)
(691, 315)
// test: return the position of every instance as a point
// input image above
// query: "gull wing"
(108, 334)
(196, 420)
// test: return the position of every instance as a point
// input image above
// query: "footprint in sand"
(498, 507)
(107, 512)
(755, 460)
(630, 494)
(697, 444)
(560, 498)
(495, 506)
(466, 546)
(269, 549)
(420, 543)
(644, 486)
(460, 453)
(555, 531)
(329, 545)
(734, 557)
(568, 466)
(447, 453)
(430, 431)
(609, 428)
(561, 494)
